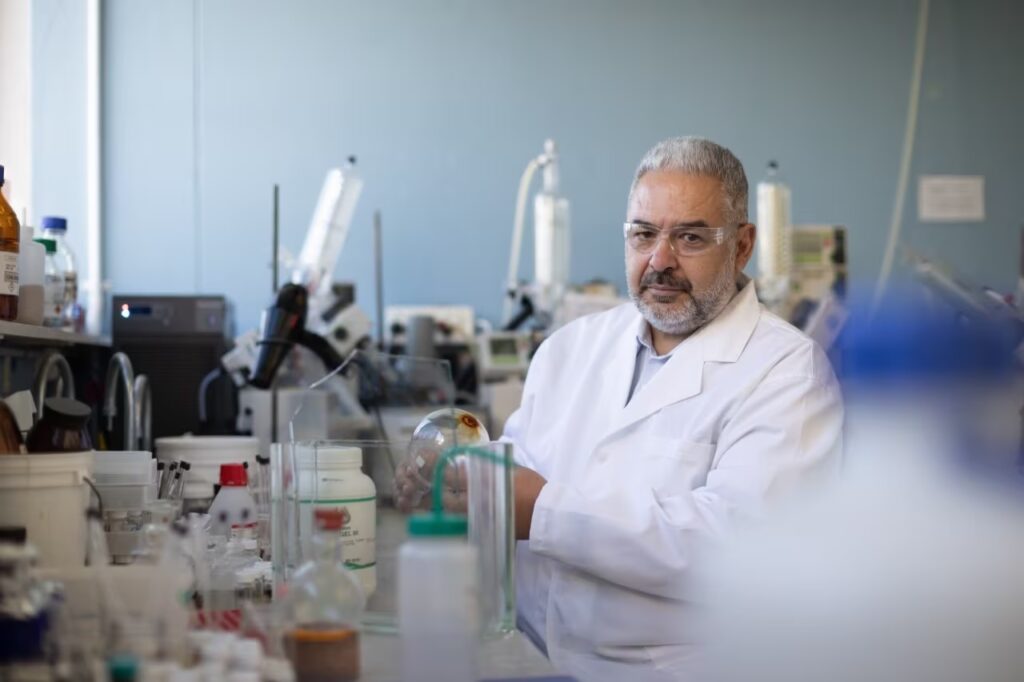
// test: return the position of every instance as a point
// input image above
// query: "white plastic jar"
(331, 477)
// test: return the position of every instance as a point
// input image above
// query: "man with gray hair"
(646, 432)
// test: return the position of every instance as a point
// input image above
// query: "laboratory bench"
(18, 334)
(512, 657)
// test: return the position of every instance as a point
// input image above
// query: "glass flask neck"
(327, 546)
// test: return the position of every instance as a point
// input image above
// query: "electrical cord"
(512, 281)
(906, 156)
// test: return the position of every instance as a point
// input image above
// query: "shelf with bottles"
(15, 333)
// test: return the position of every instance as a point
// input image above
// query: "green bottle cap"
(438, 524)
(122, 668)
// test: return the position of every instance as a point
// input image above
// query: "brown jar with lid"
(10, 434)
(10, 234)
(62, 428)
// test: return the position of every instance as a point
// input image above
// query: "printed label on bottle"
(9, 266)
(53, 303)
(70, 288)
(358, 532)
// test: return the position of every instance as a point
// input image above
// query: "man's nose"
(663, 257)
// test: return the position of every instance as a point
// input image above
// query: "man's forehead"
(671, 195)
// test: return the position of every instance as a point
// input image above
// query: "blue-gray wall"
(58, 117)
(207, 104)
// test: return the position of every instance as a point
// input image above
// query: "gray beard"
(696, 311)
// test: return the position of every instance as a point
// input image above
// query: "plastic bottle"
(237, 555)
(774, 229)
(53, 286)
(55, 228)
(332, 478)
(323, 608)
(31, 268)
(438, 601)
(551, 236)
(233, 505)
(10, 236)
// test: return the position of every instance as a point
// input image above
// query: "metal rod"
(277, 261)
(378, 271)
(273, 410)
(277, 236)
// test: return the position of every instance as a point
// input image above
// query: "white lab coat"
(746, 408)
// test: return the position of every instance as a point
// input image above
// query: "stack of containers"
(126, 482)
(205, 454)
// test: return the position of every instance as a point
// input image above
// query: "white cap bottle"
(438, 601)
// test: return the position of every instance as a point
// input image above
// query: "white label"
(9, 267)
(359, 532)
(53, 303)
(951, 198)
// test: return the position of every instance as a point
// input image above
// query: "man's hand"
(528, 484)
(414, 482)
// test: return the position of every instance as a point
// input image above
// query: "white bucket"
(46, 493)
(205, 454)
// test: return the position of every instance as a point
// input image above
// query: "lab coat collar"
(725, 337)
(721, 340)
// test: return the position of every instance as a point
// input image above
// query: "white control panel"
(503, 354)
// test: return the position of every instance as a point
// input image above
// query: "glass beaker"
(285, 551)
(491, 529)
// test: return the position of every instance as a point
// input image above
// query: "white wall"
(16, 102)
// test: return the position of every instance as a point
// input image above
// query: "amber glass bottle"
(10, 233)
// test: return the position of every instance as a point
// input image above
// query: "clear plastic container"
(55, 228)
(230, 557)
(53, 286)
(31, 266)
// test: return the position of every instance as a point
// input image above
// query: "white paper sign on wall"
(951, 198)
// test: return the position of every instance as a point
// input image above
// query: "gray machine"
(176, 341)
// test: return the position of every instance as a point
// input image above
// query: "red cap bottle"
(233, 475)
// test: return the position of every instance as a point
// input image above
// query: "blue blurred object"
(941, 357)
(23, 639)
(907, 339)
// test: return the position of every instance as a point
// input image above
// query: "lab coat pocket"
(680, 465)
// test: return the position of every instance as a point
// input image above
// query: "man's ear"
(745, 237)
